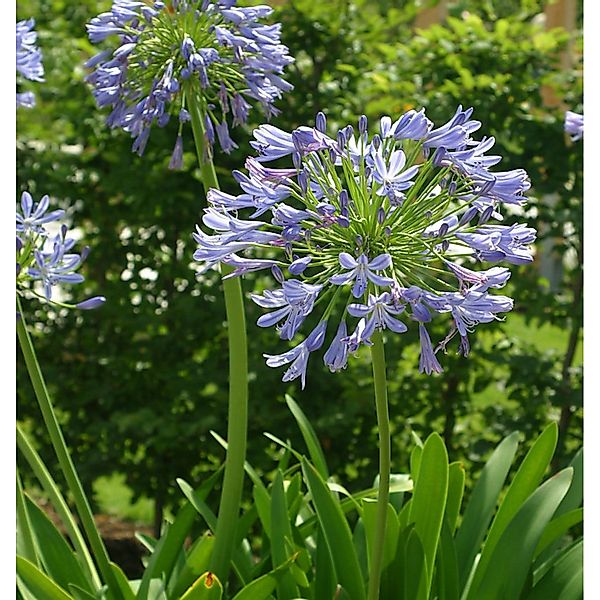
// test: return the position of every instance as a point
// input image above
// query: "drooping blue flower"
(29, 60)
(44, 257)
(372, 233)
(222, 54)
(574, 125)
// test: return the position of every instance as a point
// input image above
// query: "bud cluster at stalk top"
(29, 60)
(221, 54)
(371, 232)
(45, 256)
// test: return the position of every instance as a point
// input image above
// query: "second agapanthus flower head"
(29, 60)
(371, 232)
(45, 254)
(170, 54)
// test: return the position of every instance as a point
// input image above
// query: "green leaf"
(415, 580)
(526, 480)
(210, 518)
(81, 594)
(336, 532)
(557, 528)
(325, 580)
(447, 566)
(206, 587)
(122, 582)
(429, 499)
(564, 579)
(263, 587)
(262, 501)
(456, 488)
(415, 461)
(39, 585)
(55, 554)
(514, 551)
(369, 517)
(574, 497)
(310, 438)
(280, 531)
(196, 563)
(482, 503)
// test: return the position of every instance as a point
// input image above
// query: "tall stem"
(237, 417)
(383, 425)
(64, 458)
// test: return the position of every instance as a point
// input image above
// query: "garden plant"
(353, 235)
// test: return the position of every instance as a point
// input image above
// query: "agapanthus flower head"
(45, 255)
(222, 55)
(574, 125)
(365, 233)
(29, 60)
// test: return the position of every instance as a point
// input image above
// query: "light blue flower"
(368, 228)
(29, 60)
(574, 125)
(224, 51)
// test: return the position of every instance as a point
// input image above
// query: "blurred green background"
(140, 383)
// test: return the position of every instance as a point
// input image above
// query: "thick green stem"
(383, 425)
(64, 458)
(237, 418)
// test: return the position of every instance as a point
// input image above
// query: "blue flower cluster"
(29, 60)
(216, 51)
(46, 258)
(376, 230)
(574, 125)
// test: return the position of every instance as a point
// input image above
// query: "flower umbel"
(29, 60)
(377, 230)
(46, 258)
(220, 52)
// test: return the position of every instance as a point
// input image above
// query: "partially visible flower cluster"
(381, 230)
(215, 52)
(29, 60)
(44, 257)
(574, 125)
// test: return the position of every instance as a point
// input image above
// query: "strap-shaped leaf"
(429, 499)
(310, 438)
(280, 532)
(415, 580)
(263, 587)
(482, 503)
(504, 575)
(336, 532)
(55, 554)
(557, 528)
(206, 587)
(196, 563)
(392, 528)
(564, 579)
(526, 480)
(447, 566)
(456, 489)
(38, 584)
